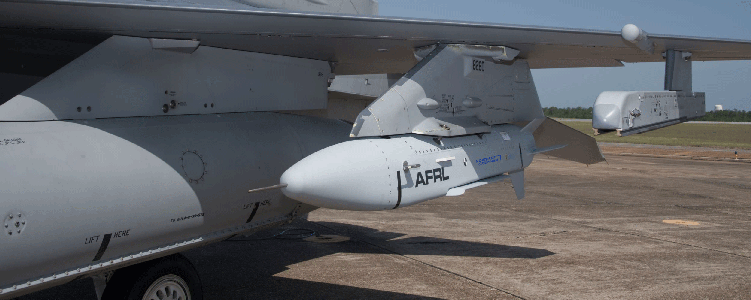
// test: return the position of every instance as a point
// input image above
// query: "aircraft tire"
(173, 274)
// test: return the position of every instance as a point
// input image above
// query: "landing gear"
(172, 277)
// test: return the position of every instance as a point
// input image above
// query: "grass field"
(702, 135)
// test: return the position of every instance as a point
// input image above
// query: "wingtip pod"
(634, 35)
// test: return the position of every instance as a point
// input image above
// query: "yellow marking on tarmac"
(681, 222)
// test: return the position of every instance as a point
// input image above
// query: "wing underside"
(41, 34)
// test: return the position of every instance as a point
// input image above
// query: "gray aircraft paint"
(455, 90)
(83, 161)
(369, 86)
(136, 77)
(147, 182)
(355, 7)
(227, 153)
(636, 112)
(352, 41)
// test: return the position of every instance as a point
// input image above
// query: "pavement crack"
(426, 264)
(716, 210)
(652, 238)
(723, 183)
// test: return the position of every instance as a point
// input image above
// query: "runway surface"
(636, 227)
(690, 122)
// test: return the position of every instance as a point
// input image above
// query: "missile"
(387, 173)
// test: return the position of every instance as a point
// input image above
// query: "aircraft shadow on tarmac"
(268, 288)
(248, 267)
(430, 245)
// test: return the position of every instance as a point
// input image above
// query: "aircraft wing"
(40, 36)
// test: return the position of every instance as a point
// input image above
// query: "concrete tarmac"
(636, 227)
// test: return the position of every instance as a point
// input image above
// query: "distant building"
(718, 107)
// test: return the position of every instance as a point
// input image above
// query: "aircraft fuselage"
(83, 197)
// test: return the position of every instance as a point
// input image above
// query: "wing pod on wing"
(641, 111)
(628, 113)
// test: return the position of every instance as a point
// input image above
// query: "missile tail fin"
(546, 149)
(532, 126)
(517, 180)
(581, 147)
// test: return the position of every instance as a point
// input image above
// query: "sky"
(726, 83)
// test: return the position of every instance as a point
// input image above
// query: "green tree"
(568, 112)
(727, 116)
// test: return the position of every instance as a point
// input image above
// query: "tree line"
(568, 112)
(586, 113)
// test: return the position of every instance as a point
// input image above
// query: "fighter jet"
(136, 129)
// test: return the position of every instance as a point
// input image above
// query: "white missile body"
(387, 173)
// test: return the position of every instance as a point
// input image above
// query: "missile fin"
(546, 149)
(581, 148)
(459, 190)
(517, 179)
(532, 126)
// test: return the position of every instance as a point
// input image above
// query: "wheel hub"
(168, 287)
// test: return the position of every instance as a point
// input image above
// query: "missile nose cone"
(630, 32)
(295, 181)
(352, 176)
(606, 116)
